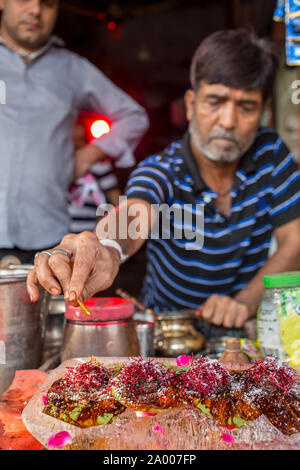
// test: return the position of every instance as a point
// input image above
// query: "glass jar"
(278, 317)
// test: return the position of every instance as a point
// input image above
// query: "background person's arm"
(85, 157)
(113, 196)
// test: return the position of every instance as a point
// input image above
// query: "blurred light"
(111, 25)
(99, 128)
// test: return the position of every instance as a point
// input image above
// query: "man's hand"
(224, 311)
(92, 268)
(85, 157)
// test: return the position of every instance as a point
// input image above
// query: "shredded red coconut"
(87, 376)
(142, 376)
(271, 371)
(206, 377)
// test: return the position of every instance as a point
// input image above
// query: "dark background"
(145, 47)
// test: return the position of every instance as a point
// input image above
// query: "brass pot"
(175, 334)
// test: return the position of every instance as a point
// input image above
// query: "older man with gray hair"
(241, 178)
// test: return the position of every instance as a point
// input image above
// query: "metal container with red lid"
(109, 331)
(102, 309)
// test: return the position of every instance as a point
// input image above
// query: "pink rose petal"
(45, 399)
(183, 360)
(227, 438)
(141, 414)
(157, 429)
(59, 439)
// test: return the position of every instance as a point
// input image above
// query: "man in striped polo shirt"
(236, 182)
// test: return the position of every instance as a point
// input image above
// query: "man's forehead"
(224, 91)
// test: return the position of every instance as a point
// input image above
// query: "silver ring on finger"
(63, 252)
(41, 252)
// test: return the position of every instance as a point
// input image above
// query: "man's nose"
(227, 117)
(35, 7)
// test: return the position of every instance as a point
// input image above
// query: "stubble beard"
(25, 43)
(226, 157)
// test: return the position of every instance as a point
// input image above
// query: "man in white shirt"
(47, 87)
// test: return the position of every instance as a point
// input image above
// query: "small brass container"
(175, 334)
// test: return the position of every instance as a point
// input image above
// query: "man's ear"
(189, 99)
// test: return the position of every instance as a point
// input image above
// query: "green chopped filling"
(239, 422)
(57, 413)
(104, 419)
(236, 420)
(202, 407)
(75, 413)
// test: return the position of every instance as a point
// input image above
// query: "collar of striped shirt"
(246, 166)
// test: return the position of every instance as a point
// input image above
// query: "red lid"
(102, 309)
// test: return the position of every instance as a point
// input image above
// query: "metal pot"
(175, 334)
(144, 325)
(54, 327)
(22, 325)
(109, 339)
(107, 331)
(216, 343)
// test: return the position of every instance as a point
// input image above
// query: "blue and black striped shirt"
(265, 195)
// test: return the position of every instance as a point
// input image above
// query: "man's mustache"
(224, 135)
(33, 20)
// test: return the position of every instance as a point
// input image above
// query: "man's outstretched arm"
(93, 267)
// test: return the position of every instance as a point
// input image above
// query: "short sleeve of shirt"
(151, 182)
(285, 200)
